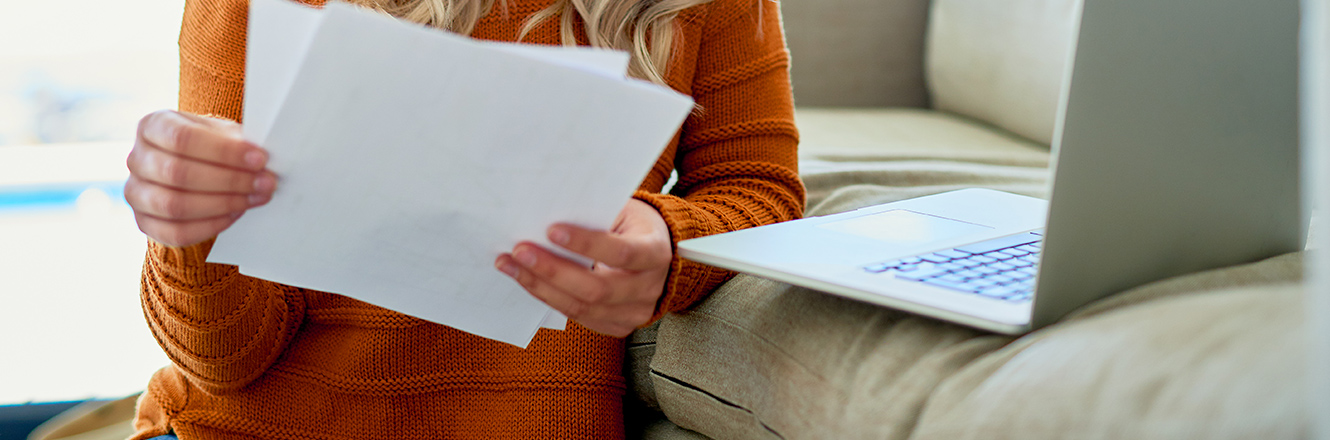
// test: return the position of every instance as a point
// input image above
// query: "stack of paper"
(409, 159)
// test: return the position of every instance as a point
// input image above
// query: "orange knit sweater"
(256, 359)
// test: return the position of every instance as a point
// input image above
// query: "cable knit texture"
(256, 359)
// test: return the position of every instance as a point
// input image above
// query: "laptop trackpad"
(904, 228)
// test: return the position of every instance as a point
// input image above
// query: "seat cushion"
(877, 134)
(1001, 62)
(1190, 360)
(1178, 359)
(916, 151)
(762, 359)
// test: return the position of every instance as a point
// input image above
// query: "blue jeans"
(165, 437)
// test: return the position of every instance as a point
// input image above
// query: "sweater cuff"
(688, 281)
(187, 266)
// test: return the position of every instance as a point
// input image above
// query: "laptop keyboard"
(1002, 268)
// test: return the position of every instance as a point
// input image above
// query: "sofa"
(903, 98)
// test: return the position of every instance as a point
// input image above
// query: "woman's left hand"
(616, 295)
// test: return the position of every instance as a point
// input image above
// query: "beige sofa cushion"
(857, 53)
(1215, 355)
(878, 134)
(919, 151)
(1001, 62)
(1203, 362)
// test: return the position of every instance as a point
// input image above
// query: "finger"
(184, 173)
(616, 250)
(182, 233)
(194, 137)
(598, 319)
(172, 204)
(570, 306)
(564, 275)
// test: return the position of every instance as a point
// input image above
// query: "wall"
(1316, 135)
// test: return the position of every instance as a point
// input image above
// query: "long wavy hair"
(643, 28)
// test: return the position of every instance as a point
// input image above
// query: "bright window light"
(75, 77)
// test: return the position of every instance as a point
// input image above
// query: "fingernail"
(525, 257)
(264, 183)
(254, 159)
(256, 199)
(559, 236)
(507, 269)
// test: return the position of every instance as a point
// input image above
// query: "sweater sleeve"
(220, 328)
(737, 157)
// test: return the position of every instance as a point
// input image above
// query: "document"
(409, 159)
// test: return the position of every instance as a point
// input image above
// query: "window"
(75, 77)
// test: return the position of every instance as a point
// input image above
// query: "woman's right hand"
(191, 177)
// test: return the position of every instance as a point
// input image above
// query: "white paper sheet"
(409, 159)
(611, 63)
(279, 33)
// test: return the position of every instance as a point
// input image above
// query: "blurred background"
(75, 77)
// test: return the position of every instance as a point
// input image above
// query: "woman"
(256, 359)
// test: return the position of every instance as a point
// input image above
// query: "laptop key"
(968, 263)
(935, 258)
(983, 259)
(949, 285)
(982, 283)
(924, 265)
(967, 273)
(999, 243)
(1018, 297)
(1028, 249)
(952, 266)
(954, 278)
(951, 254)
(920, 275)
(879, 268)
(999, 292)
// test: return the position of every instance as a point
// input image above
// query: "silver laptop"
(1176, 150)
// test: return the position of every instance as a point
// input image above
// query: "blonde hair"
(643, 28)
